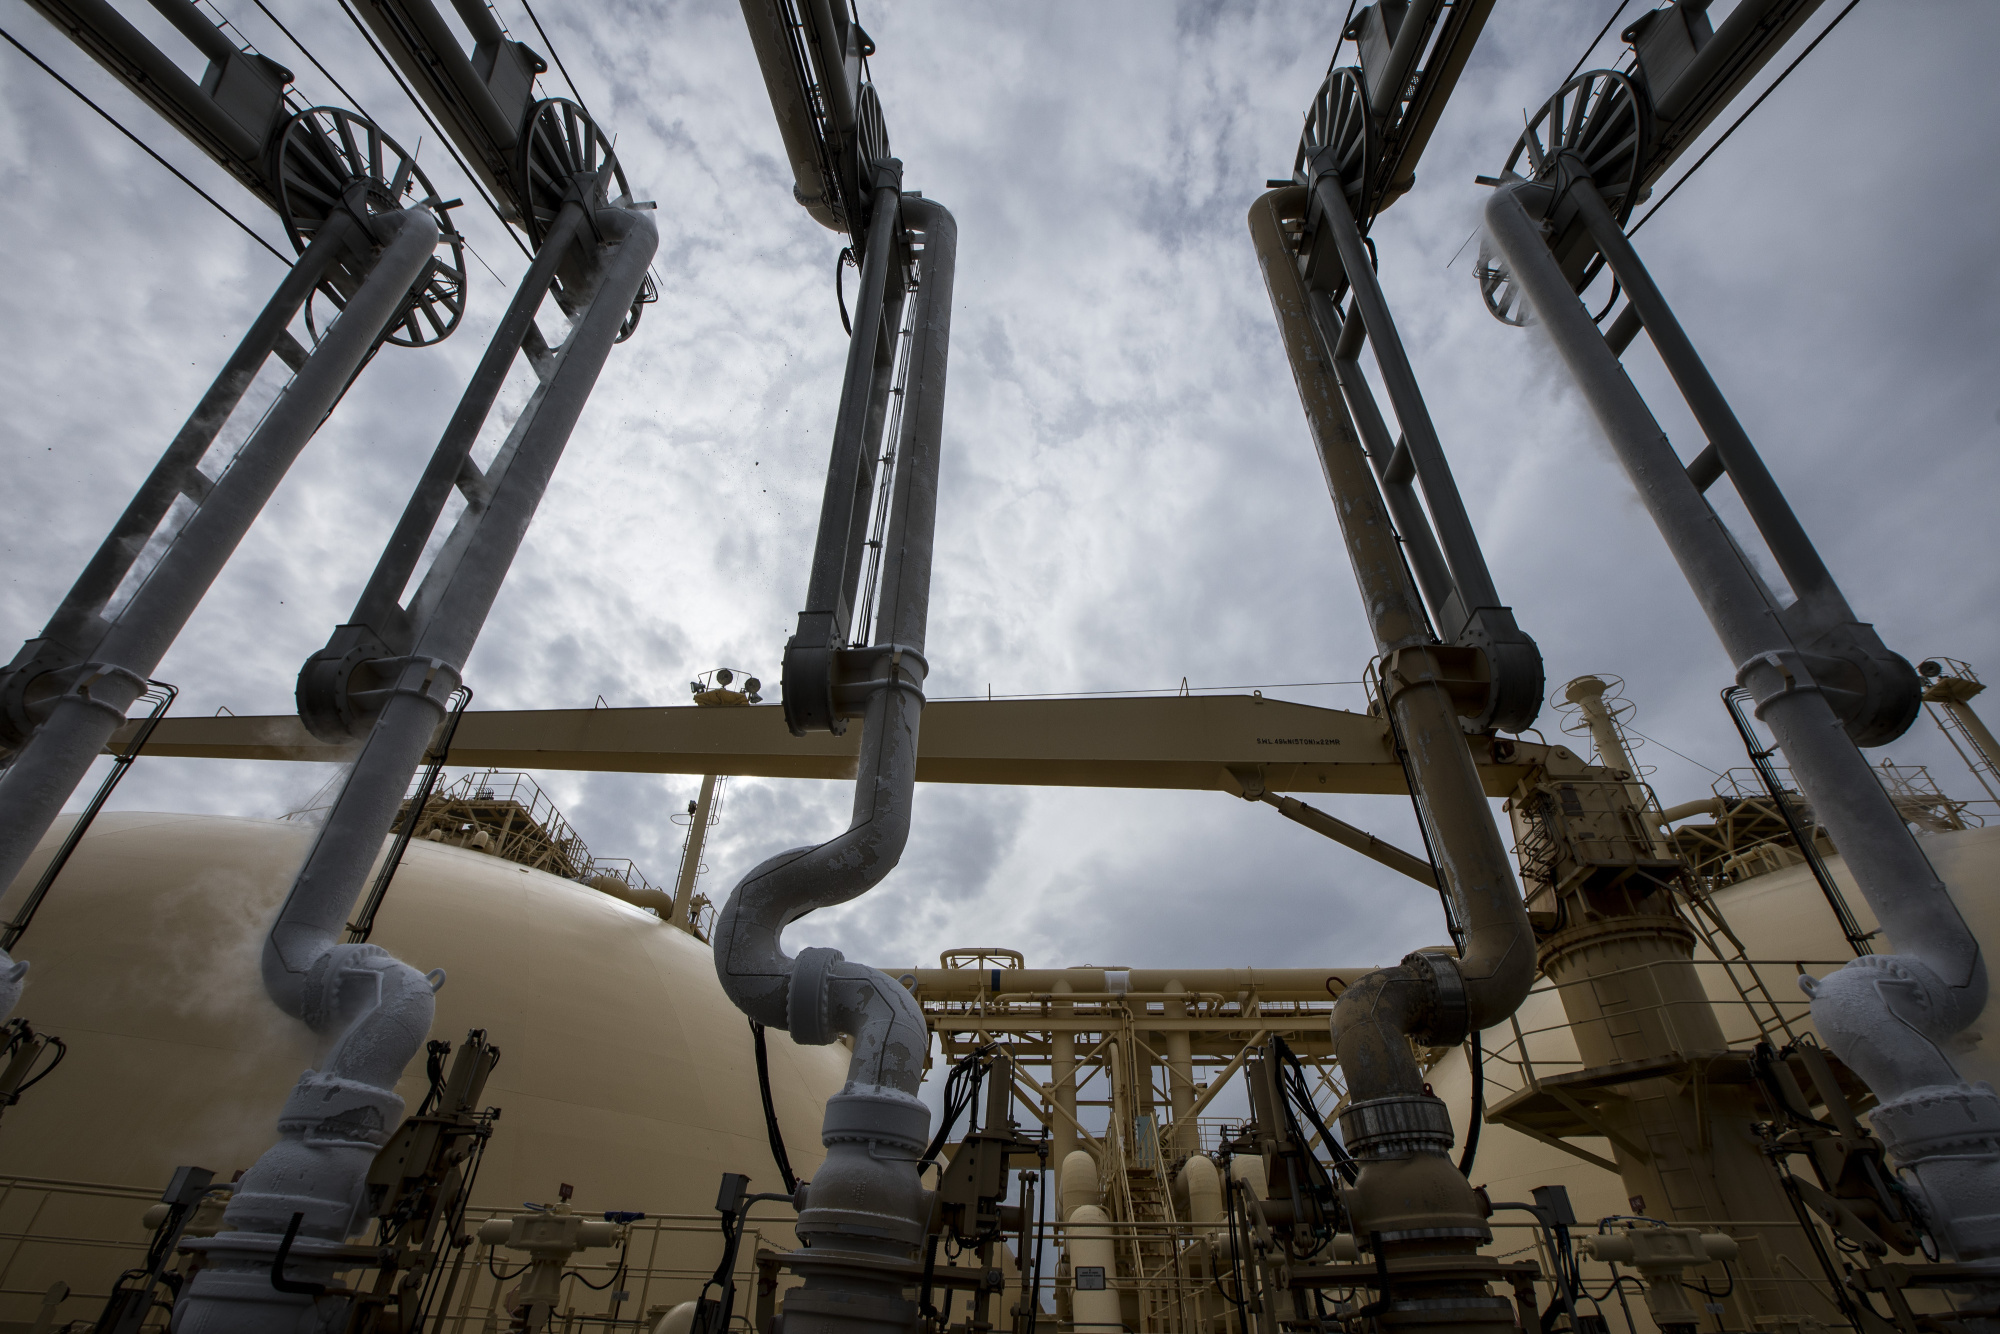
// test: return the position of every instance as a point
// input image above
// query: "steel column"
(691, 857)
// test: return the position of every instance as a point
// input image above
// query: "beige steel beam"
(1173, 741)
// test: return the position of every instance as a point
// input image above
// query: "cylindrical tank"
(624, 1071)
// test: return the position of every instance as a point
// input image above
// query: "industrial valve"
(549, 1237)
(1662, 1255)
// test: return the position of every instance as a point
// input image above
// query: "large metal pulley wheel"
(1597, 120)
(1504, 299)
(564, 156)
(328, 159)
(871, 132)
(1339, 137)
(1596, 124)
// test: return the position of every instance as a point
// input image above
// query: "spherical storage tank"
(624, 1071)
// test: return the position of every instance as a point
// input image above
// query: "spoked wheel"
(1598, 121)
(1338, 121)
(563, 155)
(1499, 290)
(328, 158)
(871, 132)
(871, 145)
(1598, 118)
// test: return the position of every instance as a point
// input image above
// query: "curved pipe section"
(1889, 1017)
(339, 1116)
(1408, 1196)
(866, 1207)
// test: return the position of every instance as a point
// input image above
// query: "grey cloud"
(1129, 496)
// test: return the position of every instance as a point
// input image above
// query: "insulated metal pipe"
(47, 769)
(1878, 693)
(866, 1210)
(1408, 1191)
(1871, 1009)
(1420, 544)
(382, 1006)
(78, 626)
(828, 590)
(1468, 565)
(456, 595)
(447, 465)
(169, 478)
(1769, 510)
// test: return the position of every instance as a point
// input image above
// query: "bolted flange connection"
(1396, 1127)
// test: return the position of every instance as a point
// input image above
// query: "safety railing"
(80, 1236)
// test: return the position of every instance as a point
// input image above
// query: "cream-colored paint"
(624, 1070)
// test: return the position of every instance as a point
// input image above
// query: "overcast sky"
(1129, 494)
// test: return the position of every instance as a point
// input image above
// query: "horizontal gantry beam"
(1193, 742)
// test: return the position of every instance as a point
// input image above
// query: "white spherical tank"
(624, 1071)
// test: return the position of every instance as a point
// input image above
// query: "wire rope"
(179, 175)
(424, 111)
(1593, 42)
(1689, 173)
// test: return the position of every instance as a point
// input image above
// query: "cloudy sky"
(1129, 496)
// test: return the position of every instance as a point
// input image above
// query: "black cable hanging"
(147, 148)
(845, 258)
(970, 1069)
(771, 1128)
(1476, 1059)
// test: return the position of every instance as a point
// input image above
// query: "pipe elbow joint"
(1885, 1015)
(830, 996)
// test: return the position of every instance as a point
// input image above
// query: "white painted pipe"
(1093, 1258)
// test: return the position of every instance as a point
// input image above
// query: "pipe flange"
(1939, 1120)
(1396, 1127)
(1450, 1018)
(876, 1118)
(808, 1006)
(325, 1110)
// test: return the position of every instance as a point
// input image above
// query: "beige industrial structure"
(624, 1076)
(1712, 1066)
